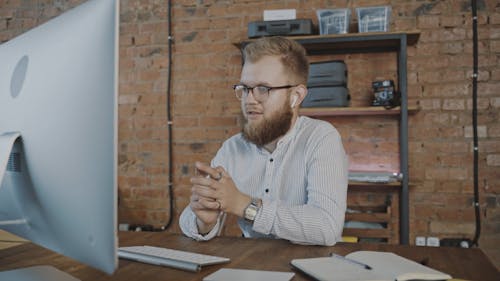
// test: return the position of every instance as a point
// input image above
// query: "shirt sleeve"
(320, 220)
(187, 223)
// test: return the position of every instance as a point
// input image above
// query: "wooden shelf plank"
(353, 111)
(367, 232)
(390, 185)
(356, 42)
(351, 42)
(368, 217)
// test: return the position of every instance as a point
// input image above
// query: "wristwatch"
(251, 210)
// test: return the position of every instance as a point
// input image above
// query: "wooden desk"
(470, 264)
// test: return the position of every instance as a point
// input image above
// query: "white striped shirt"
(302, 184)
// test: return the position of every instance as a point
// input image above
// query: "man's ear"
(294, 100)
(298, 95)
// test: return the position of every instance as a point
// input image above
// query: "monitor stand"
(36, 273)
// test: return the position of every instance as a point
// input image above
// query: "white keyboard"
(168, 257)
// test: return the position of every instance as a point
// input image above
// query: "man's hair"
(292, 54)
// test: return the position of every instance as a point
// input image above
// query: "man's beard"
(268, 129)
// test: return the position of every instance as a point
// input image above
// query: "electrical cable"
(147, 227)
(169, 121)
(474, 122)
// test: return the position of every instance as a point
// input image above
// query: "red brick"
(452, 21)
(489, 146)
(494, 130)
(430, 104)
(493, 160)
(418, 228)
(481, 132)
(447, 90)
(482, 104)
(456, 228)
(428, 22)
(453, 104)
(494, 18)
(128, 99)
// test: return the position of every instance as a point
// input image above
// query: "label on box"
(282, 14)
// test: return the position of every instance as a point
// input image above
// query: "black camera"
(384, 94)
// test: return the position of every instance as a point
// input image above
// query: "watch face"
(250, 212)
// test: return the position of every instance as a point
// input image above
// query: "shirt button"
(271, 160)
(267, 190)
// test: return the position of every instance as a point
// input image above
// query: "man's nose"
(252, 99)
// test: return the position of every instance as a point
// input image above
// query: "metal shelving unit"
(371, 43)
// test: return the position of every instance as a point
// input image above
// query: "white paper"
(232, 274)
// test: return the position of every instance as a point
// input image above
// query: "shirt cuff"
(190, 228)
(264, 220)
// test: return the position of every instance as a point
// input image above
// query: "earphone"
(292, 104)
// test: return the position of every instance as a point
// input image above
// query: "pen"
(351, 261)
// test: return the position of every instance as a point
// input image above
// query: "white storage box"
(374, 19)
(333, 21)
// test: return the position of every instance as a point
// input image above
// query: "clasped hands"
(213, 190)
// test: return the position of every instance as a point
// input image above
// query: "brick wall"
(206, 63)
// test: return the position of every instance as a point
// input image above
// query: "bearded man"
(285, 175)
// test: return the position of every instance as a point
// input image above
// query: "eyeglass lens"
(259, 92)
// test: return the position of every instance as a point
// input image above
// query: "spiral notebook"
(367, 266)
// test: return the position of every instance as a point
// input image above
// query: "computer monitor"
(58, 134)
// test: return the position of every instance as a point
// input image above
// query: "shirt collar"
(291, 133)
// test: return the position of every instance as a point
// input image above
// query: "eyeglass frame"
(246, 90)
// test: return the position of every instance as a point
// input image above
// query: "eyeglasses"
(260, 93)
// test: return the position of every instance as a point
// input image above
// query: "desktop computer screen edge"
(9, 136)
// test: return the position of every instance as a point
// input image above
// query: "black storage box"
(329, 73)
(280, 27)
(333, 96)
